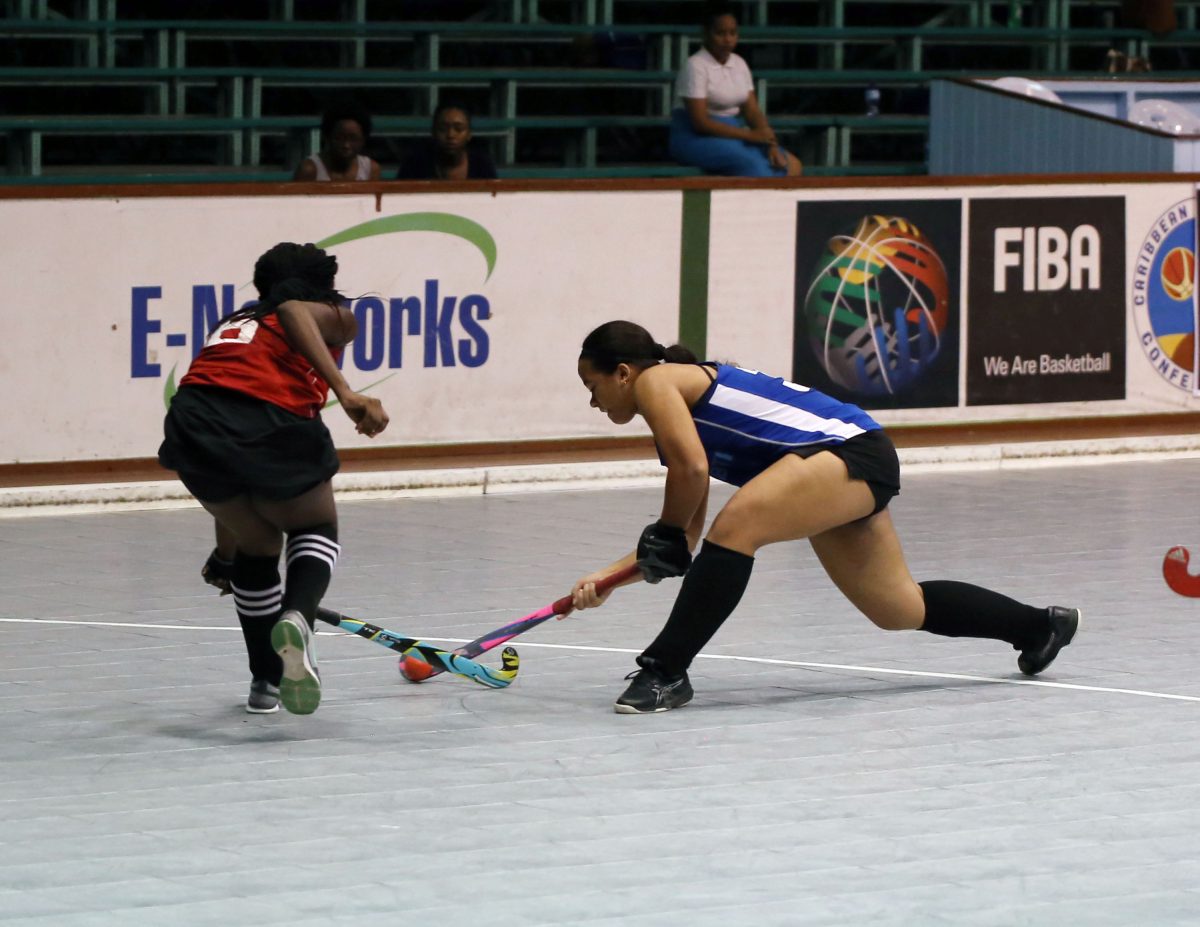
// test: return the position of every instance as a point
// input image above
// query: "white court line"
(768, 661)
(120, 624)
(891, 672)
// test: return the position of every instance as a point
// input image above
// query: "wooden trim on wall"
(570, 450)
(415, 457)
(1016, 431)
(496, 187)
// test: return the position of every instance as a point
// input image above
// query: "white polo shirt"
(725, 86)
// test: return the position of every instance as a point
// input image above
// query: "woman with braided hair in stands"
(245, 435)
(808, 466)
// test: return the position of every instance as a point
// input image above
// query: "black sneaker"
(263, 698)
(651, 691)
(1064, 622)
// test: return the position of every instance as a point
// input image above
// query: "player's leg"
(866, 562)
(793, 498)
(310, 522)
(257, 592)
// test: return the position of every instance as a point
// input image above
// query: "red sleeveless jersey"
(252, 356)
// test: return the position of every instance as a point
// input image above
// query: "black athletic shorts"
(870, 457)
(224, 444)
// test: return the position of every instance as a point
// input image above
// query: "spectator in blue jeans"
(717, 125)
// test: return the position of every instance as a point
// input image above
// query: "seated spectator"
(345, 130)
(717, 124)
(448, 154)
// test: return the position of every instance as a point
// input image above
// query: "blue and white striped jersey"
(748, 420)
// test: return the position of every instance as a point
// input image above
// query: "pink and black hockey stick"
(1175, 572)
(414, 669)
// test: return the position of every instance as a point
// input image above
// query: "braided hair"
(616, 343)
(292, 271)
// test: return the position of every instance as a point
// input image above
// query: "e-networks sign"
(429, 328)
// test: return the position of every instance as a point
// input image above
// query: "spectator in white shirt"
(717, 125)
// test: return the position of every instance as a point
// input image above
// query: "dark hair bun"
(306, 264)
(293, 288)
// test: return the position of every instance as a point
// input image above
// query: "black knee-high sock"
(955, 609)
(711, 591)
(257, 594)
(311, 554)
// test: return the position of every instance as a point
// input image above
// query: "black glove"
(662, 551)
(218, 572)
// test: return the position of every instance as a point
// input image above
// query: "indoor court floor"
(827, 772)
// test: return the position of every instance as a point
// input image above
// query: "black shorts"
(870, 457)
(225, 444)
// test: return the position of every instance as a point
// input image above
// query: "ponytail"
(616, 343)
(678, 354)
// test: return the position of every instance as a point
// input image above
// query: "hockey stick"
(1175, 572)
(218, 572)
(507, 632)
(434, 656)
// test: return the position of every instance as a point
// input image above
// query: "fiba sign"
(1163, 297)
(877, 306)
(1047, 258)
(1045, 297)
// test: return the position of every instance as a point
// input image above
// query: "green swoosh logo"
(443, 222)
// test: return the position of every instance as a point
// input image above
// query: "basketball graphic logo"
(1178, 273)
(878, 306)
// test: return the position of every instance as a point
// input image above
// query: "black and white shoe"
(1064, 622)
(651, 691)
(263, 698)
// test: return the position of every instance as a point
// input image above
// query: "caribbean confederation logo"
(429, 328)
(1164, 295)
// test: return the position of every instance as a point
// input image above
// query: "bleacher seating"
(559, 87)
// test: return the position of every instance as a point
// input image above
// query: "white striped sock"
(312, 545)
(257, 603)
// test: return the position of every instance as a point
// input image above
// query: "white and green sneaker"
(300, 687)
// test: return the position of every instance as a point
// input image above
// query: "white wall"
(79, 385)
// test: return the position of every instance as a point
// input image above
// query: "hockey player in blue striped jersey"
(808, 466)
